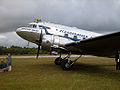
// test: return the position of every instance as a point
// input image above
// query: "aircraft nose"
(21, 31)
(18, 31)
(27, 34)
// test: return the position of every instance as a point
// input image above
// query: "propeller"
(39, 44)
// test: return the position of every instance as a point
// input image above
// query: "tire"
(64, 65)
(58, 61)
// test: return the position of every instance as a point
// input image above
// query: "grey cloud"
(94, 15)
(11, 38)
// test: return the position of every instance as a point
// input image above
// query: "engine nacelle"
(46, 45)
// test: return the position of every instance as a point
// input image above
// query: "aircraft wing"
(106, 45)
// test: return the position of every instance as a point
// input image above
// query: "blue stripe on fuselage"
(47, 33)
(45, 30)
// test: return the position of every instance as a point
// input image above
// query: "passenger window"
(75, 37)
(66, 35)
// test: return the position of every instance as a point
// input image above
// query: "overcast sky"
(94, 15)
(102, 16)
(11, 38)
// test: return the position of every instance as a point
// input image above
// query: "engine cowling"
(46, 45)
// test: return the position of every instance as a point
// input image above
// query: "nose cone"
(18, 31)
(21, 32)
(27, 34)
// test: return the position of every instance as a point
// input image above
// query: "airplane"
(71, 40)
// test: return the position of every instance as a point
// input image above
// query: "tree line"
(16, 50)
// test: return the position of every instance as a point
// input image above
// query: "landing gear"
(66, 63)
(58, 61)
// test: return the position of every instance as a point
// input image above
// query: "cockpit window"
(32, 26)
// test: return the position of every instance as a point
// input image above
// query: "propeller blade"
(39, 44)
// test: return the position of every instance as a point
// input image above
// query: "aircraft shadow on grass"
(105, 71)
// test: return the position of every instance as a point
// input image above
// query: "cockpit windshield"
(32, 25)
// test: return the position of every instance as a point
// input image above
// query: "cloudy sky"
(10, 38)
(102, 16)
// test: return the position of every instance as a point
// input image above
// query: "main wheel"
(58, 61)
(66, 66)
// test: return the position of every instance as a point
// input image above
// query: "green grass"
(88, 74)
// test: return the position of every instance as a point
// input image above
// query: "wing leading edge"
(106, 45)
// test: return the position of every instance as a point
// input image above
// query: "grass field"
(91, 73)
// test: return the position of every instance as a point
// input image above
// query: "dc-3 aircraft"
(60, 38)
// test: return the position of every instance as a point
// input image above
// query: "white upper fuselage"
(53, 34)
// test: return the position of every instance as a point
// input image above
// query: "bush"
(15, 50)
